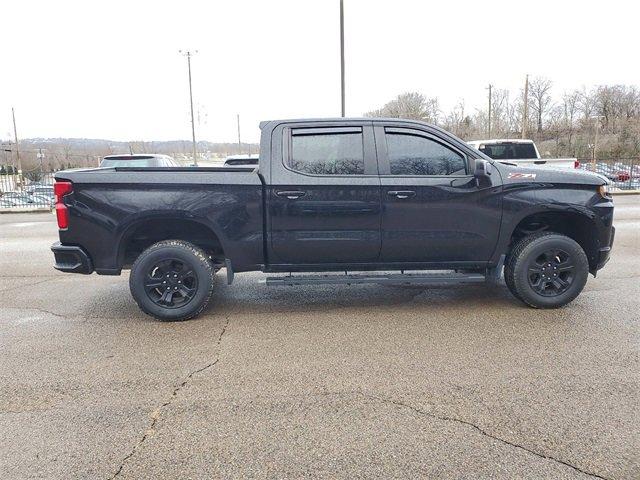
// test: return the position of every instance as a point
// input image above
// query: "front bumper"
(71, 259)
(605, 252)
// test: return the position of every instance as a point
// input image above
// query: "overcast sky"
(111, 69)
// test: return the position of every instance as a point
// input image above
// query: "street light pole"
(188, 54)
(596, 118)
(342, 54)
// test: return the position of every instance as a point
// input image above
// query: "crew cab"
(362, 200)
(521, 152)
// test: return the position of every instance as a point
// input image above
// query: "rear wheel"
(172, 280)
(546, 270)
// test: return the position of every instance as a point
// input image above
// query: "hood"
(532, 174)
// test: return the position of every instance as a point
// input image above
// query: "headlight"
(605, 190)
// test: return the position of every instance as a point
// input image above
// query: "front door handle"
(291, 194)
(401, 194)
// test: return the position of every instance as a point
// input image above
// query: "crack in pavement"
(447, 418)
(155, 415)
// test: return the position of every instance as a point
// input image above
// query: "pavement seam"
(31, 276)
(30, 284)
(37, 309)
(481, 430)
(155, 414)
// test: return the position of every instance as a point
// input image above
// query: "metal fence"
(28, 191)
(624, 173)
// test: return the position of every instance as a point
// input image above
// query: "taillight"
(576, 163)
(60, 189)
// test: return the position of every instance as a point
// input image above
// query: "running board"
(388, 279)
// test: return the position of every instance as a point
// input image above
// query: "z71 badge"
(522, 175)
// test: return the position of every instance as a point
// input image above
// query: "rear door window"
(318, 151)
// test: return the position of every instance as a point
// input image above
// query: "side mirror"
(482, 168)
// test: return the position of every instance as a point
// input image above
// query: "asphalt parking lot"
(365, 381)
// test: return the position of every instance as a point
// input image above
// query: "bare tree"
(571, 105)
(457, 121)
(540, 98)
(412, 105)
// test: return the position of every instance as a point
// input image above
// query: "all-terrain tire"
(558, 282)
(162, 260)
(508, 272)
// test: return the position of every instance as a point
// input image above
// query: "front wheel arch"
(575, 225)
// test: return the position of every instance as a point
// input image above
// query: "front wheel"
(547, 270)
(172, 280)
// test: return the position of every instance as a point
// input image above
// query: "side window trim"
(383, 154)
(369, 154)
(324, 130)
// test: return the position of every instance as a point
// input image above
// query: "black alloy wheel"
(551, 273)
(171, 283)
(546, 269)
(172, 280)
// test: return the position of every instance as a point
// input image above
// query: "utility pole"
(41, 158)
(596, 127)
(525, 114)
(342, 54)
(489, 122)
(15, 136)
(188, 54)
(239, 144)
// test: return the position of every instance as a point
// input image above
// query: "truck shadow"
(248, 296)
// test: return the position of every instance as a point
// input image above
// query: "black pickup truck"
(378, 200)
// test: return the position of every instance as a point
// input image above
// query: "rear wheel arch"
(140, 235)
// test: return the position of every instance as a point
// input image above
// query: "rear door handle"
(291, 194)
(401, 194)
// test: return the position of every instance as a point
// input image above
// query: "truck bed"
(109, 206)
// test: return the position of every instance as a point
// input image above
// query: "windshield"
(509, 151)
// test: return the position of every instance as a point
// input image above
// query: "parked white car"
(521, 152)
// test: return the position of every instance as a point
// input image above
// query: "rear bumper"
(71, 259)
(605, 252)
